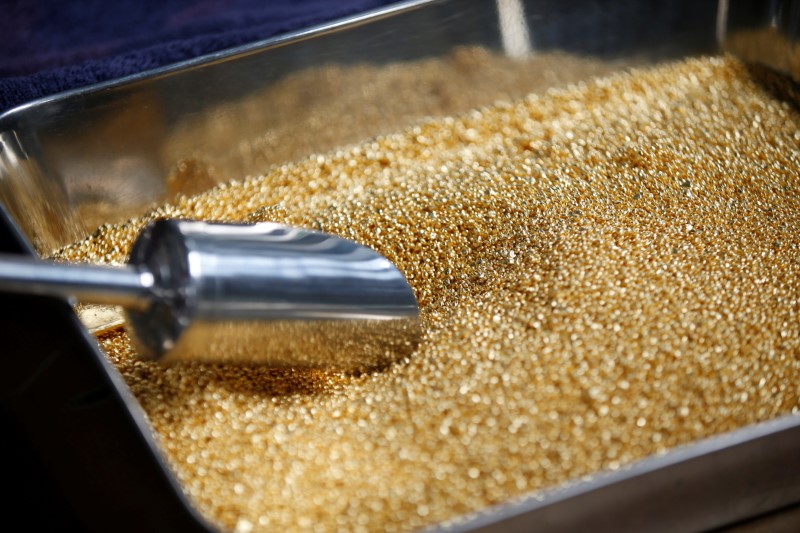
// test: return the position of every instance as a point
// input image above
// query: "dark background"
(50, 46)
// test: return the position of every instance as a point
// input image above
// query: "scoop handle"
(126, 286)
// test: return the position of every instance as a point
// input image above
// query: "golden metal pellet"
(606, 272)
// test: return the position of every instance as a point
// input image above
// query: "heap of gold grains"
(605, 272)
(322, 108)
(294, 116)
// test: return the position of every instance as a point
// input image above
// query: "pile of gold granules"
(605, 272)
(293, 117)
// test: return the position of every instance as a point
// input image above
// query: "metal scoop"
(252, 294)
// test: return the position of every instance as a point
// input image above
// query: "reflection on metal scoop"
(248, 294)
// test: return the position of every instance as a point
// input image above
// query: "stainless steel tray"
(115, 144)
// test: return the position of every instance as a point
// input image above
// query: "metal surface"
(245, 293)
(107, 145)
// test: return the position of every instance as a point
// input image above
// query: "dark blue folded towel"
(49, 46)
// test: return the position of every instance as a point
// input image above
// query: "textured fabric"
(49, 46)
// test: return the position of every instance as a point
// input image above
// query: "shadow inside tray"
(152, 381)
(268, 382)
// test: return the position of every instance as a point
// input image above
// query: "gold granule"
(605, 272)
